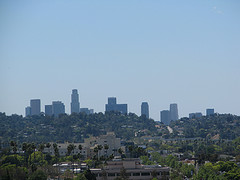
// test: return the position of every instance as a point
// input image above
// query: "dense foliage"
(72, 128)
(222, 126)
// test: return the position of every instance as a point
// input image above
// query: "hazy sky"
(185, 52)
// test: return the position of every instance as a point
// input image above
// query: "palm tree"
(120, 151)
(70, 148)
(106, 147)
(48, 145)
(80, 150)
(99, 149)
(13, 144)
(95, 150)
(41, 148)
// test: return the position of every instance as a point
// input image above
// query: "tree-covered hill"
(72, 128)
(219, 126)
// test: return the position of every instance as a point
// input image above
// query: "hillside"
(72, 128)
(218, 126)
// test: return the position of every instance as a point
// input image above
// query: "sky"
(185, 52)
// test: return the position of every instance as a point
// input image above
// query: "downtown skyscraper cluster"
(57, 107)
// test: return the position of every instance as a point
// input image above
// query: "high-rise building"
(145, 109)
(173, 112)
(195, 115)
(48, 110)
(75, 105)
(113, 106)
(28, 111)
(209, 112)
(165, 117)
(58, 108)
(86, 110)
(91, 111)
(112, 100)
(35, 105)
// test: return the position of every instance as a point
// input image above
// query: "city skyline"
(160, 52)
(112, 105)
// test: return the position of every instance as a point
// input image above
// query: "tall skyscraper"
(173, 112)
(209, 112)
(75, 105)
(145, 109)
(113, 106)
(58, 108)
(35, 105)
(165, 117)
(28, 111)
(48, 110)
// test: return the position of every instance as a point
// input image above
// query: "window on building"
(145, 174)
(128, 174)
(136, 174)
(111, 174)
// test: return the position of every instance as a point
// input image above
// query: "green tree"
(13, 172)
(38, 175)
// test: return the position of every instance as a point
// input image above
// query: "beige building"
(62, 148)
(133, 169)
(113, 143)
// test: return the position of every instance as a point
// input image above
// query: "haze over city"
(161, 52)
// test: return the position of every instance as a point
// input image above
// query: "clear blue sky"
(185, 52)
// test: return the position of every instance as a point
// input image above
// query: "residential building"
(134, 170)
(209, 112)
(109, 142)
(62, 148)
(75, 105)
(28, 111)
(173, 112)
(113, 106)
(165, 117)
(58, 108)
(35, 105)
(145, 109)
(48, 110)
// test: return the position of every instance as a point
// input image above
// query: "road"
(170, 129)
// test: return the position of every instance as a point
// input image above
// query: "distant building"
(58, 108)
(109, 142)
(86, 110)
(91, 111)
(195, 115)
(35, 105)
(173, 112)
(28, 111)
(145, 109)
(48, 110)
(134, 170)
(75, 105)
(112, 100)
(113, 106)
(209, 112)
(165, 117)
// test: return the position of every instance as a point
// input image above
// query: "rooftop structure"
(113, 106)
